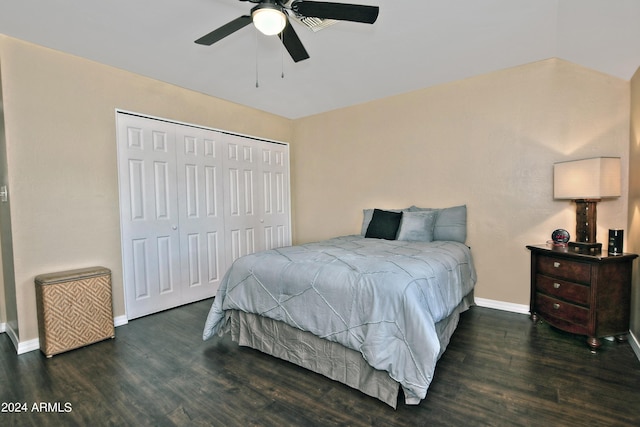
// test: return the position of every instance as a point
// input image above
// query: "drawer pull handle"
(556, 306)
(556, 285)
(556, 264)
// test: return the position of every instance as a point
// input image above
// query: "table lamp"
(586, 182)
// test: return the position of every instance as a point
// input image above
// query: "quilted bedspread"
(381, 298)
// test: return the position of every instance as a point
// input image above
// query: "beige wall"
(488, 142)
(634, 200)
(61, 149)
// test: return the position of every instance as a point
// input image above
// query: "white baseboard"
(34, 344)
(501, 305)
(635, 344)
(120, 320)
(12, 335)
(24, 346)
(27, 346)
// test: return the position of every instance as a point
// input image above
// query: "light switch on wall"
(4, 194)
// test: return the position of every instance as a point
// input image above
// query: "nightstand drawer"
(548, 306)
(572, 292)
(564, 268)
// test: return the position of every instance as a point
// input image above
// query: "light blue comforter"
(379, 297)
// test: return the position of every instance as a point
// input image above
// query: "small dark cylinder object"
(615, 242)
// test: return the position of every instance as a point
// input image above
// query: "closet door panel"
(199, 163)
(149, 215)
(275, 204)
(242, 222)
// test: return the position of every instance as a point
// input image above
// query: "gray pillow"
(414, 208)
(451, 223)
(417, 226)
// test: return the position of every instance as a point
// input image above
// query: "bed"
(374, 311)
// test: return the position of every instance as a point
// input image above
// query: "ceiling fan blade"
(225, 30)
(338, 11)
(293, 44)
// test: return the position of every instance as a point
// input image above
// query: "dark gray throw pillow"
(384, 225)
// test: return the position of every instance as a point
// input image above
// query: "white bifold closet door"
(256, 196)
(192, 200)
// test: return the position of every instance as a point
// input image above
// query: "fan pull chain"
(281, 54)
(257, 83)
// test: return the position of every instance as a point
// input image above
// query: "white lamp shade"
(269, 20)
(594, 178)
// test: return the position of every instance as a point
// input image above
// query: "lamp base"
(586, 218)
(586, 247)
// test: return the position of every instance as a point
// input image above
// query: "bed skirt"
(324, 357)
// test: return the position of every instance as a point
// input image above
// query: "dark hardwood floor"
(499, 370)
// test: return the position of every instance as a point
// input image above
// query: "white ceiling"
(413, 45)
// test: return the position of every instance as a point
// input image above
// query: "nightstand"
(585, 294)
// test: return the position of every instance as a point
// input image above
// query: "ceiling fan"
(271, 17)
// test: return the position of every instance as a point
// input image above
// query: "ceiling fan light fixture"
(268, 18)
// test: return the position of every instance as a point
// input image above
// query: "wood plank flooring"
(499, 370)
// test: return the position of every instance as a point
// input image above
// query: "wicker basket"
(74, 309)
